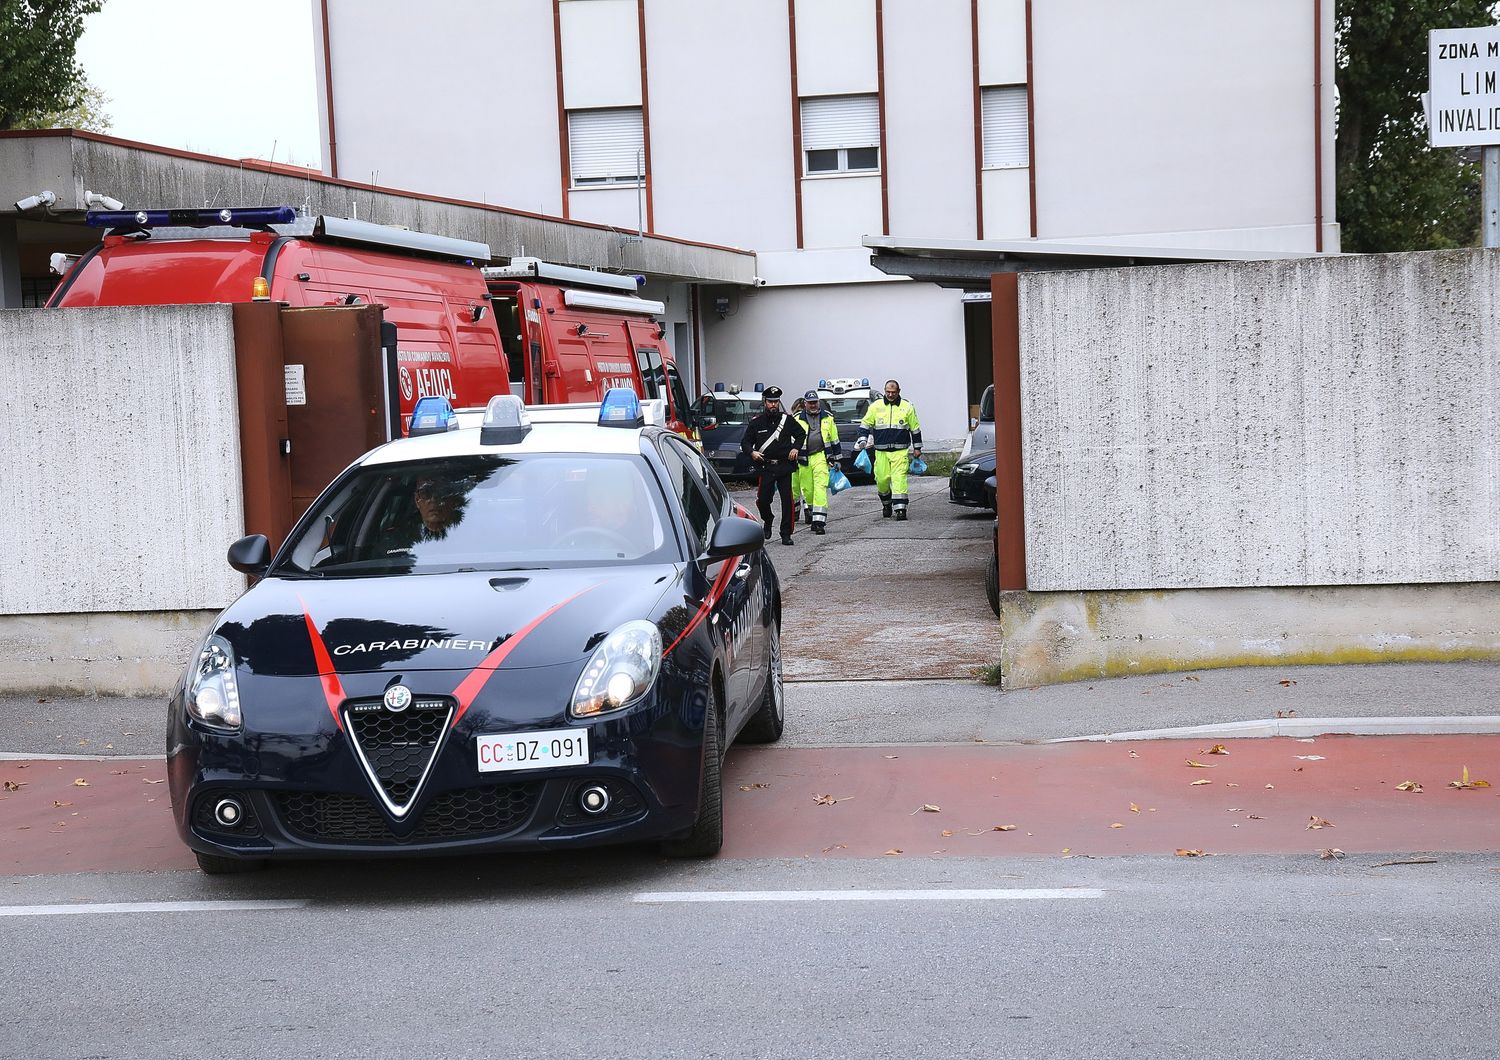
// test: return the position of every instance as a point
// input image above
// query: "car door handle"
(742, 571)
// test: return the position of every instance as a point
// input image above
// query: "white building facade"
(796, 128)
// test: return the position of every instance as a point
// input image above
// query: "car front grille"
(396, 748)
(467, 813)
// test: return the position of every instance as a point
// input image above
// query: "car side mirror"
(250, 555)
(707, 423)
(735, 536)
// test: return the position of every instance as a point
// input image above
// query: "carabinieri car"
(541, 632)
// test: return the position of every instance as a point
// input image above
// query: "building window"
(1005, 141)
(35, 290)
(606, 146)
(840, 134)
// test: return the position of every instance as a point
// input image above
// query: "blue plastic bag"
(862, 461)
(838, 482)
(918, 466)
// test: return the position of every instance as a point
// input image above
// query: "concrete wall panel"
(1295, 423)
(601, 48)
(792, 336)
(98, 654)
(929, 150)
(1048, 638)
(721, 121)
(839, 211)
(1226, 98)
(1002, 42)
(1007, 203)
(835, 46)
(422, 99)
(121, 460)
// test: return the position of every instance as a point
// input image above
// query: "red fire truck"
(549, 333)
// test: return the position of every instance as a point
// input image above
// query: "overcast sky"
(223, 79)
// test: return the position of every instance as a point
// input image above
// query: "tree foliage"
(39, 73)
(1394, 192)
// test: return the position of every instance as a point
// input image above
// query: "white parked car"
(982, 430)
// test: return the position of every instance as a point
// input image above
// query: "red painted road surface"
(1062, 798)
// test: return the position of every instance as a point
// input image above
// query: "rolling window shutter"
(603, 143)
(840, 121)
(1004, 125)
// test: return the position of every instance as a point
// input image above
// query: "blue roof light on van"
(621, 408)
(244, 217)
(433, 415)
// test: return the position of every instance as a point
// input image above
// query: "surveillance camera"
(94, 199)
(31, 202)
(760, 281)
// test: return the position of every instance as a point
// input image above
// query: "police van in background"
(549, 333)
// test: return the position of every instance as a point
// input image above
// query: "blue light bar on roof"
(433, 415)
(621, 408)
(248, 216)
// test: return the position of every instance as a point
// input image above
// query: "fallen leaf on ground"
(1003, 828)
(1270, 787)
(1195, 783)
(1467, 783)
(11, 785)
(930, 808)
(1216, 749)
(163, 781)
(1319, 822)
(1409, 785)
(1286, 682)
(1286, 713)
(80, 783)
(1405, 861)
(1309, 758)
(824, 800)
(1117, 824)
(56, 805)
(1183, 852)
(890, 756)
(947, 832)
(743, 787)
(1198, 765)
(836, 846)
(1256, 817)
(1330, 852)
(1190, 677)
(893, 850)
(1134, 808)
(1134, 755)
(127, 734)
(119, 772)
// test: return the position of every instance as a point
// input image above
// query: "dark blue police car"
(538, 632)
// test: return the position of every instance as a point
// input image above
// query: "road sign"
(1463, 78)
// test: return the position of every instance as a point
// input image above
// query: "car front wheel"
(706, 837)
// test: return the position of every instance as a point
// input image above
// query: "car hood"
(282, 626)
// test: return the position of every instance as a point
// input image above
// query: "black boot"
(768, 531)
(885, 509)
(900, 515)
(819, 529)
(807, 514)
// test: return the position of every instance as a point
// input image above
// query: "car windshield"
(485, 513)
(846, 409)
(733, 411)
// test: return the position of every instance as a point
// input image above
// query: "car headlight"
(966, 469)
(213, 695)
(620, 671)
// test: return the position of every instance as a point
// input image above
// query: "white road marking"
(1032, 894)
(150, 907)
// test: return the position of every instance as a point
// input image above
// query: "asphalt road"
(1243, 957)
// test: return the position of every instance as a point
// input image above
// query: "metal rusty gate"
(315, 391)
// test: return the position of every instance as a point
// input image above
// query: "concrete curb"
(22, 756)
(1305, 727)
